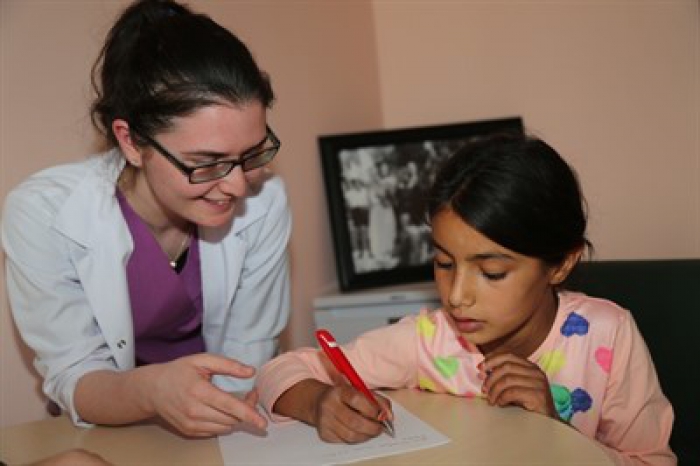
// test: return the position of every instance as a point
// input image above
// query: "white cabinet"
(347, 315)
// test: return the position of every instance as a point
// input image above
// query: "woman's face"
(495, 298)
(215, 132)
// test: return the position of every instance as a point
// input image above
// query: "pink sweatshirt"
(601, 375)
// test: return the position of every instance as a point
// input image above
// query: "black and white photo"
(375, 183)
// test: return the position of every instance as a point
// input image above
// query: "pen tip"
(389, 428)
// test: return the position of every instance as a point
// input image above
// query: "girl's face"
(215, 132)
(498, 300)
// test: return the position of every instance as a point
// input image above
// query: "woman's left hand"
(512, 380)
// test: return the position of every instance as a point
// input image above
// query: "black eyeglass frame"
(230, 164)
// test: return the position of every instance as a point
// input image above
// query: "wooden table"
(481, 434)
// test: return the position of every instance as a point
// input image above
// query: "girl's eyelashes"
(442, 265)
(449, 265)
(494, 276)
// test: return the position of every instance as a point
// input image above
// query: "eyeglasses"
(211, 171)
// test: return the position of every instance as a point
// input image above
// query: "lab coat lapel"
(221, 255)
(92, 218)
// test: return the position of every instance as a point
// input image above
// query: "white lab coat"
(67, 245)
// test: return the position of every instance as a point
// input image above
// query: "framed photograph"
(375, 184)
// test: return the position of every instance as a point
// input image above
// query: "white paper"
(298, 443)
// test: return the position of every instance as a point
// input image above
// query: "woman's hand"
(511, 380)
(343, 414)
(181, 392)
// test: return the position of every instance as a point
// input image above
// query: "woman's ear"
(123, 135)
(560, 272)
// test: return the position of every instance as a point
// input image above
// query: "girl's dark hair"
(160, 60)
(517, 191)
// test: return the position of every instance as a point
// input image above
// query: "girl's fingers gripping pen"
(337, 357)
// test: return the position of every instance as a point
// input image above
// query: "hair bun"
(154, 11)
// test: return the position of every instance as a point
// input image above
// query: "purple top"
(166, 306)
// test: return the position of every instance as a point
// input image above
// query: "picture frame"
(375, 183)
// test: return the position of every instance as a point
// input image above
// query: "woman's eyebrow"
(258, 145)
(205, 153)
(216, 154)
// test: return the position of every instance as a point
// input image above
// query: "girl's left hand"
(512, 380)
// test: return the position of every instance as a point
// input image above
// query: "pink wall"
(612, 85)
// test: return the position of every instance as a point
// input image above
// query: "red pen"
(340, 361)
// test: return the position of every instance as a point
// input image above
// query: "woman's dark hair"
(517, 191)
(160, 60)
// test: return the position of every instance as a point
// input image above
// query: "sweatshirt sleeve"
(384, 358)
(636, 418)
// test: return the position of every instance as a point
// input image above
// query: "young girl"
(151, 280)
(508, 225)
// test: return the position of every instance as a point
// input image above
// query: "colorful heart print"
(580, 400)
(562, 401)
(575, 324)
(551, 362)
(603, 357)
(426, 383)
(425, 327)
(447, 366)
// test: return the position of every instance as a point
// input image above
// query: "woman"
(143, 275)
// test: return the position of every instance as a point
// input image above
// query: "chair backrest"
(664, 298)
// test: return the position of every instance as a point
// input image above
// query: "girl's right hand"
(181, 392)
(345, 415)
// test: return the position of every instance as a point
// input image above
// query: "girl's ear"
(563, 270)
(123, 135)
